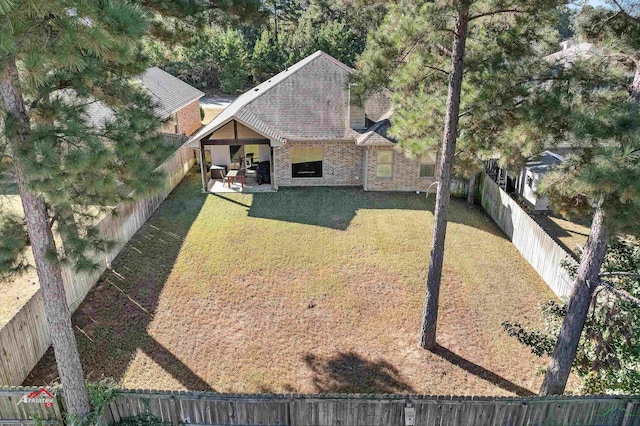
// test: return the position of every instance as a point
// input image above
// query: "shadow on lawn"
(335, 207)
(555, 231)
(350, 373)
(481, 372)
(112, 323)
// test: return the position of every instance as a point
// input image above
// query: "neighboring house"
(177, 104)
(530, 176)
(571, 51)
(302, 126)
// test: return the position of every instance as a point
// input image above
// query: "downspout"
(275, 182)
(365, 169)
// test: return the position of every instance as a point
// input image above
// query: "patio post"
(203, 170)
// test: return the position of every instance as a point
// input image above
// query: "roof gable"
(169, 92)
(310, 104)
(308, 101)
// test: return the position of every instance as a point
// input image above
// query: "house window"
(428, 164)
(306, 162)
(384, 164)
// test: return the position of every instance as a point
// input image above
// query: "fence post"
(175, 421)
(290, 420)
(522, 413)
(58, 407)
(626, 420)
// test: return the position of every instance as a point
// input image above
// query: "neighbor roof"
(170, 93)
(572, 51)
(308, 101)
(543, 161)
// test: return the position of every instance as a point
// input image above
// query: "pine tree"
(57, 59)
(600, 109)
(233, 61)
(476, 87)
(609, 350)
(268, 58)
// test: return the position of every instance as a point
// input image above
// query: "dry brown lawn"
(571, 235)
(210, 113)
(308, 290)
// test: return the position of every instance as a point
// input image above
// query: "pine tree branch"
(620, 293)
(444, 50)
(495, 12)
(437, 69)
(620, 274)
(624, 12)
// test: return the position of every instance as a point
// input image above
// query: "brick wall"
(168, 126)
(188, 120)
(342, 165)
(406, 173)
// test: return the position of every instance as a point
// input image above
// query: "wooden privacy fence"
(13, 412)
(205, 408)
(24, 339)
(535, 245)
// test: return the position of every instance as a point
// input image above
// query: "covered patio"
(235, 158)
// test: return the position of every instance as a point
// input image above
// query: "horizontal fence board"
(24, 339)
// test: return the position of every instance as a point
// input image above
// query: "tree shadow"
(481, 372)
(350, 373)
(222, 197)
(336, 207)
(111, 325)
(556, 232)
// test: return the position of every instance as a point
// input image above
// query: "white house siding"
(220, 155)
(342, 164)
(537, 202)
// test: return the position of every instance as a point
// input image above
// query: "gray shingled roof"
(378, 105)
(378, 133)
(543, 161)
(169, 92)
(98, 114)
(307, 102)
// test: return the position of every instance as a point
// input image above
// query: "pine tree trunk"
(471, 192)
(43, 247)
(555, 379)
(430, 308)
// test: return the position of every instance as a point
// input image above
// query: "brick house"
(301, 126)
(177, 103)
